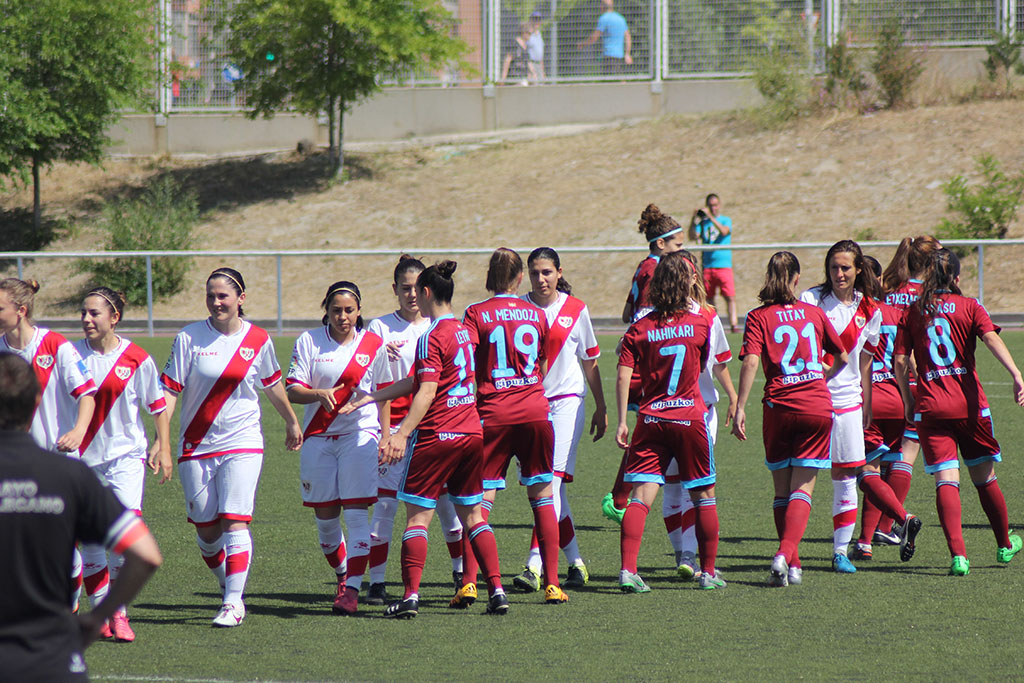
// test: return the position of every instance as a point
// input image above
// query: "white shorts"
(220, 487)
(846, 447)
(711, 420)
(567, 415)
(339, 470)
(390, 477)
(126, 477)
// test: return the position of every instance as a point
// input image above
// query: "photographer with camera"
(709, 226)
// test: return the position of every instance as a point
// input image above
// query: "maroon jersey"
(637, 299)
(790, 339)
(904, 296)
(943, 346)
(886, 402)
(444, 354)
(509, 335)
(668, 353)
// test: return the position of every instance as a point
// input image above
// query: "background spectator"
(709, 226)
(617, 43)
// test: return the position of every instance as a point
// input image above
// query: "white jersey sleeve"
(147, 382)
(380, 371)
(179, 364)
(587, 347)
(267, 368)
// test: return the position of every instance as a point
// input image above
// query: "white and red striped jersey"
(63, 379)
(718, 352)
(319, 362)
(217, 376)
(127, 382)
(393, 328)
(570, 337)
(858, 325)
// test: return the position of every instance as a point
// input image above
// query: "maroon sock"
(947, 502)
(898, 478)
(797, 513)
(631, 534)
(779, 504)
(994, 505)
(470, 565)
(414, 556)
(881, 496)
(566, 531)
(869, 519)
(707, 533)
(486, 550)
(546, 525)
(620, 489)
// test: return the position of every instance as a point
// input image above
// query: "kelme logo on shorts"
(565, 321)
(363, 359)
(246, 353)
(123, 372)
(44, 361)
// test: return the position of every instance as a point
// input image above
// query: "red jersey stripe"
(357, 366)
(111, 388)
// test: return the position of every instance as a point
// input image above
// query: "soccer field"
(890, 619)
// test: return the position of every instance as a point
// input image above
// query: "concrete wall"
(399, 113)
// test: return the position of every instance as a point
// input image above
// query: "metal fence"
(547, 41)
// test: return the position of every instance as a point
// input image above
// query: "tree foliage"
(66, 69)
(325, 55)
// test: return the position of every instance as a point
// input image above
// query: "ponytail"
(941, 278)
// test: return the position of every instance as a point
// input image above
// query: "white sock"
(76, 577)
(238, 559)
(114, 563)
(357, 522)
(94, 561)
(844, 513)
(213, 555)
(381, 526)
(672, 498)
(451, 525)
(689, 526)
(332, 543)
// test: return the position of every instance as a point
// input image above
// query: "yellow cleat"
(464, 597)
(553, 595)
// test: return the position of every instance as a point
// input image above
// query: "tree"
(67, 68)
(325, 55)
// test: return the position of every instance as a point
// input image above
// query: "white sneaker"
(796, 576)
(229, 615)
(778, 575)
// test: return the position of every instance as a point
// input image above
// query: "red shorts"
(440, 459)
(940, 439)
(795, 439)
(719, 279)
(657, 442)
(532, 443)
(883, 439)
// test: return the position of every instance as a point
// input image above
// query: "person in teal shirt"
(617, 43)
(709, 226)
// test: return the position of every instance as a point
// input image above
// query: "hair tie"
(96, 292)
(221, 273)
(664, 234)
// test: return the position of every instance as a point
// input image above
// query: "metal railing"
(279, 255)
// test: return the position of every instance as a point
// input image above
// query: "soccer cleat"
(632, 583)
(123, 633)
(908, 532)
(528, 581)
(457, 579)
(861, 551)
(796, 576)
(497, 604)
(960, 566)
(882, 538)
(403, 609)
(778, 575)
(464, 597)
(610, 511)
(347, 602)
(687, 565)
(229, 615)
(841, 564)
(377, 595)
(576, 576)
(1004, 555)
(553, 595)
(709, 582)
(105, 632)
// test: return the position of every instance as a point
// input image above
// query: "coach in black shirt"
(47, 502)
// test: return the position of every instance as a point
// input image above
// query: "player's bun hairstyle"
(913, 257)
(18, 391)
(941, 279)
(783, 266)
(653, 223)
(551, 255)
(235, 281)
(21, 293)
(874, 265)
(699, 293)
(438, 279)
(505, 266)
(671, 288)
(866, 282)
(408, 264)
(114, 300)
(342, 287)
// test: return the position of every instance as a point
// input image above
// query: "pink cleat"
(123, 633)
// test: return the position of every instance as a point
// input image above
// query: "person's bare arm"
(628, 53)
(394, 449)
(721, 373)
(159, 457)
(591, 39)
(293, 430)
(866, 359)
(621, 402)
(599, 422)
(748, 371)
(73, 439)
(722, 227)
(900, 365)
(998, 348)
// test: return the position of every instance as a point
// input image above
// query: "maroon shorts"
(657, 442)
(719, 279)
(441, 459)
(532, 444)
(940, 439)
(795, 439)
(883, 439)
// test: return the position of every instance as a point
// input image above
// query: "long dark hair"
(782, 266)
(671, 287)
(551, 255)
(342, 287)
(913, 256)
(866, 282)
(438, 278)
(941, 278)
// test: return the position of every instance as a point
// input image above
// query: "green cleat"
(528, 581)
(610, 511)
(632, 583)
(710, 582)
(1004, 555)
(960, 566)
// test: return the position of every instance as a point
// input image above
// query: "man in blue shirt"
(617, 42)
(709, 226)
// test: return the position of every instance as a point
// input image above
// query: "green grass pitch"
(890, 620)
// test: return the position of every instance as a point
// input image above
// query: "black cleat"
(377, 595)
(497, 604)
(908, 532)
(457, 579)
(403, 609)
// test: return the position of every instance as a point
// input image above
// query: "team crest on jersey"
(565, 321)
(44, 361)
(246, 353)
(363, 359)
(123, 372)
(860, 321)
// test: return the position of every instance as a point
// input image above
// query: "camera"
(701, 214)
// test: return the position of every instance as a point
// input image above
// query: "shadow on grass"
(18, 234)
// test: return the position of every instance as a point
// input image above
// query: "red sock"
(546, 525)
(898, 478)
(566, 531)
(947, 502)
(486, 550)
(779, 505)
(631, 534)
(414, 556)
(707, 533)
(881, 496)
(534, 543)
(455, 549)
(470, 565)
(99, 580)
(869, 519)
(673, 521)
(620, 489)
(798, 510)
(214, 561)
(994, 505)
(357, 564)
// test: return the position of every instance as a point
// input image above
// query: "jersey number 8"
(940, 344)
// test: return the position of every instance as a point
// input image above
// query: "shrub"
(895, 66)
(781, 71)
(986, 210)
(161, 219)
(844, 79)
(1004, 58)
